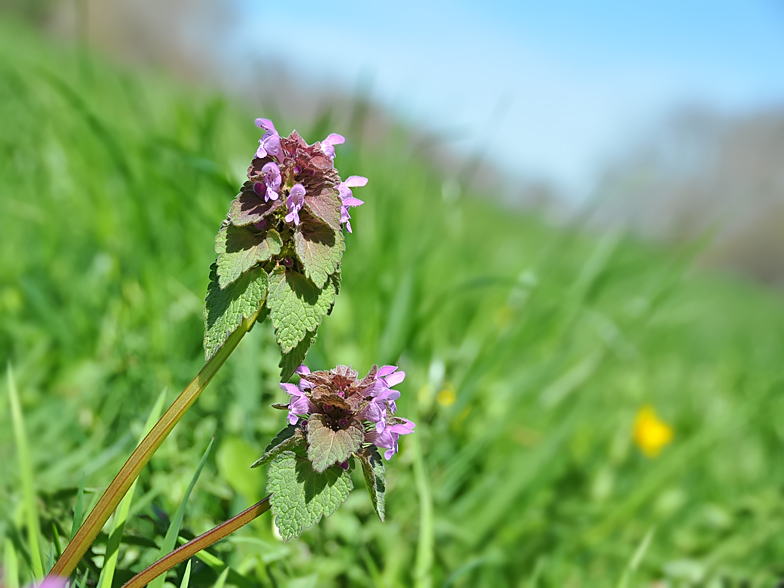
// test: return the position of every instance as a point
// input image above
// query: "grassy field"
(529, 351)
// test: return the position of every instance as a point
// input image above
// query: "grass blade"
(222, 578)
(78, 509)
(10, 575)
(186, 577)
(424, 553)
(26, 472)
(121, 515)
(634, 563)
(174, 527)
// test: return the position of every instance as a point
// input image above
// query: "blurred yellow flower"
(650, 433)
(447, 395)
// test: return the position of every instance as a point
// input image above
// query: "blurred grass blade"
(121, 515)
(78, 509)
(26, 473)
(219, 566)
(634, 563)
(176, 523)
(222, 578)
(424, 553)
(186, 577)
(56, 543)
(10, 575)
(537, 573)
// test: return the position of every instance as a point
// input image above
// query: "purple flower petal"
(334, 139)
(270, 140)
(302, 370)
(355, 181)
(295, 201)
(351, 201)
(271, 173)
(386, 370)
(395, 379)
(328, 144)
(291, 389)
(266, 124)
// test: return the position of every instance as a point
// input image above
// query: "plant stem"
(193, 546)
(122, 482)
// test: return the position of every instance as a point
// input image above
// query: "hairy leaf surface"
(319, 248)
(225, 308)
(248, 207)
(289, 362)
(373, 468)
(285, 440)
(240, 248)
(328, 446)
(296, 306)
(300, 495)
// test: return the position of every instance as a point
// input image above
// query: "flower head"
(288, 175)
(343, 400)
(650, 433)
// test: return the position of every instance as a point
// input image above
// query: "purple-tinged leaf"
(332, 443)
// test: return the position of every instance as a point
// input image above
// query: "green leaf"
(288, 439)
(186, 577)
(319, 248)
(325, 206)
(373, 468)
(240, 248)
(248, 207)
(300, 495)
(328, 446)
(289, 362)
(225, 309)
(296, 306)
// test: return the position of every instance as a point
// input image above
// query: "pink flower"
(295, 201)
(328, 144)
(269, 144)
(347, 196)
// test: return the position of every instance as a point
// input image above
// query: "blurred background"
(572, 242)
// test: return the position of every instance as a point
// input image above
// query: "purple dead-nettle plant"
(279, 254)
(334, 418)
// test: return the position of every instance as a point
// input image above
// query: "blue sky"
(546, 89)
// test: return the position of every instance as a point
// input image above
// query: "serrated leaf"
(286, 440)
(289, 362)
(296, 306)
(335, 279)
(328, 446)
(248, 208)
(300, 495)
(319, 248)
(225, 309)
(325, 206)
(373, 468)
(240, 248)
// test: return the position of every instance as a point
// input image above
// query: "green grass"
(112, 187)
